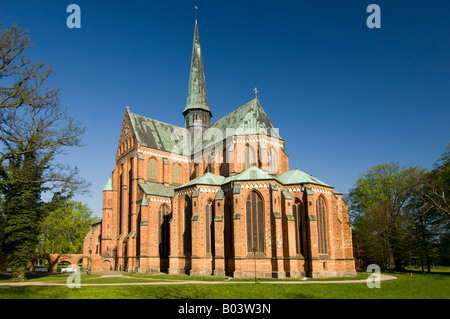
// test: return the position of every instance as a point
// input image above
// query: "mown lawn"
(407, 286)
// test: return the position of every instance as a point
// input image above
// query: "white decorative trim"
(254, 186)
(251, 140)
(321, 190)
(153, 199)
(173, 157)
(184, 192)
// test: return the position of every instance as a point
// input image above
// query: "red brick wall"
(123, 215)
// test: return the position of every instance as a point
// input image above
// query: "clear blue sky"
(344, 97)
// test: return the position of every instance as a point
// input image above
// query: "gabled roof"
(248, 119)
(205, 179)
(152, 133)
(252, 173)
(156, 189)
(296, 176)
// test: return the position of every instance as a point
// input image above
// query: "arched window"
(322, 225)
(209, 227)
(176, 174)
(273, 161)
(164, 231)
(255, 222)
(187, 239)
(297, 212)
(152, 169)
(248, 157)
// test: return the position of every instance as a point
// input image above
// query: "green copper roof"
(156, 189)
(144, 201)
(197, 98)
(205, 179)
(250, 174)
(108, 186)
(152, 133)
(296, 176)
(248, 119)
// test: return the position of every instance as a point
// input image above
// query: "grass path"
(124, 281)
(160, 286)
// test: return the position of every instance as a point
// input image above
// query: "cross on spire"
(256, 92)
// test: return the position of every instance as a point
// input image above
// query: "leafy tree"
(436, 188)
(424, 229)
(377, 205)
(65, 226)
(34, 129)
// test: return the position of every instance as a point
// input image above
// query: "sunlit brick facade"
(216, 198)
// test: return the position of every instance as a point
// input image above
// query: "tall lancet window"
(297, 212)
(152, 169)
(248, 157)
(322, 225)
(164, 231)
(209, 227)
(176, 174)
(273, 161)
(187, 235)
(255, 222)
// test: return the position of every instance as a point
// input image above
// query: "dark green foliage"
(400, 215)
(34, 128)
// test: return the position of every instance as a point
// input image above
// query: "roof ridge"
(152, 119)
(235, 110)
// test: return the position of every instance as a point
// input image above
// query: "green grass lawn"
(407, 286)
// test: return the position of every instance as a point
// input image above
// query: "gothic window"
(248, 157)
(164, 231)
(209, 227)
(297, 212)
(273, 161)
(209, 165)
(152, 169)
(322, 225)
(187, 239)
(255, 222)
(176, 174)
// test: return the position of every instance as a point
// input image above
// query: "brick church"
(216, 198)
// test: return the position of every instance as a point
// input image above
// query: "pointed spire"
(197, 98)
(108, 185)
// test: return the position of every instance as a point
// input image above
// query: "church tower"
(197, 113)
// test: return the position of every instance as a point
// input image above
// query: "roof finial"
(195, 11)
(256, 92)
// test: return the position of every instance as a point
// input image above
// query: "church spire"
(197, 99)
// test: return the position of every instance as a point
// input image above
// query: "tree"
(377, 206)
(372, 237)
(65, 226)
(34, 129)
(424, 227)
(436, 187)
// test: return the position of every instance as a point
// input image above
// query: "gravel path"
(182, 282)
